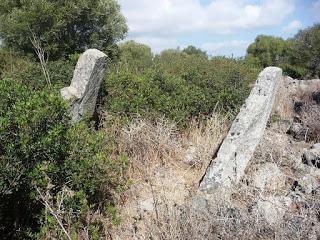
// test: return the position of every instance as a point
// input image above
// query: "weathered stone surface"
(269, 178)
(147, 205)
(245, 134)
(309, 184)
(192, 156)
(311, 157)
(273, 209)
(84, 89)
(298, 131)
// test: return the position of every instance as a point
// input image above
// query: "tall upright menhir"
(85, 86)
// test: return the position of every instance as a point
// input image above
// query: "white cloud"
(233, 47)
(165, 24)
(157, 43)
(174, 17)
(316, 10)
(293, 26)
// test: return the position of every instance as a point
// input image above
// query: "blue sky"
(220, 27)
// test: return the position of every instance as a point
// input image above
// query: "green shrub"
(294, 71)
(179, 86)
(28, 72)
(41, 154)
(32, 127)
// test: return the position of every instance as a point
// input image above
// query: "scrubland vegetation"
(63, 181)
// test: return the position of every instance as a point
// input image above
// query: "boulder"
(192, 156)
(269, 178)
(273, 209)
(309, 184)
(85, 86)
(147, 205)
(311, 157)
(316, 146)
(298, 131)
(245, 134)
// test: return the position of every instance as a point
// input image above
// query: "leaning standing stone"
(244, 136)
(84, 89)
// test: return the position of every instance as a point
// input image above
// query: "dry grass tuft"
(160, 174)
(202, 139)
(150, 144)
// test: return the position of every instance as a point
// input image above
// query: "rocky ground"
(279, 197)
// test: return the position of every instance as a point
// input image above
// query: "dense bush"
(26, 71)
(43, 158)
(32, 131)
(179, 86)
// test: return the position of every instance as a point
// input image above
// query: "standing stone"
(84, 89)
(245, 134)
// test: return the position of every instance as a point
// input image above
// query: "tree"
(135, 55)
(305, 50)
(63, 27)
(267, 51)
(192, 50)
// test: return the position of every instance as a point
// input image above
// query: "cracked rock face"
(245, 134)
(85, 85)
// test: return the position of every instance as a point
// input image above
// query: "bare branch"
(41, 55)
(47, 205)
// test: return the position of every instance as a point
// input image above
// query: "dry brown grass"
(167, 183)
(157, 152)
(309, 113)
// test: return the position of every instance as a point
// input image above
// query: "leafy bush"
(294, 71)
(28, 72)
(179, 86)
(44, 159)
(32, 130)
(135, 56)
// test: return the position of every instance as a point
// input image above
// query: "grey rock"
(311, 158)
(245, 134)
(269, 178)
(147, 205)
(192, 156)
(298, 131)
(316, 146)
(85, 86)
(273, 209)
(309, 184)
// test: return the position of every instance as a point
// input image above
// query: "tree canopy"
(267, 51)
(135, 55)
(192, 50)
(63, 27)
(306, 49)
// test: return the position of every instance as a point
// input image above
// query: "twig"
(41, 55)
(47, 205)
